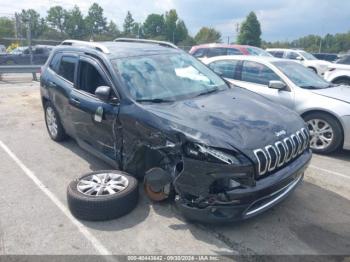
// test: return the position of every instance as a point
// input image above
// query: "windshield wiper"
(155, 100)
(208, 92)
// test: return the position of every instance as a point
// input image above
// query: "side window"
(292, 55)
(278, 54)
(258, 73)
(216, 52)
(199, 53)
(233, 51)
(38, 51)
(89, 78)
(66, 68)
(54, 62)
(226, 68)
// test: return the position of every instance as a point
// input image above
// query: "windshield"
(301, 76)
(257, 51)
(167, 77)
(307, 55)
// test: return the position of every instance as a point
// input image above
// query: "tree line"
(330, 43)
(60, 23)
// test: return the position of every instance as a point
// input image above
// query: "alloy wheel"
(51, 121)
(102, 184)
(321, 132)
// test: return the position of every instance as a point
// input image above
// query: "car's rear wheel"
(53, 123)
(325, 131)
(102, 195)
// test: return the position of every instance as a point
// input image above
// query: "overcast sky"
(280, 19)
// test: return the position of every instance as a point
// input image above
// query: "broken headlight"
(205, 153)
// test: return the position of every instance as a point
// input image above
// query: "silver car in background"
(324, 106)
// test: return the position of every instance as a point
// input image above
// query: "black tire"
(342, 81)
(61, 134)
(103, 207)
(337, 132)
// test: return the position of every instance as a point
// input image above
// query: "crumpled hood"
(234, 118)
(341, 93)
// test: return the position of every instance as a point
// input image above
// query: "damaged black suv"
(148, 108)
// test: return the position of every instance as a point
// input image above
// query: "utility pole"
(29, 37)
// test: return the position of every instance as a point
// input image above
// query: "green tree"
(55, 17)
(154, 26)
(37, 24)
(207, 35)
(95, 21)
(74, 23)
(129, 24)
(170, 25)
(250, 32)
(6, 27)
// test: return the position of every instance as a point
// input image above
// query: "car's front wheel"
(325, 131)
(53, 123)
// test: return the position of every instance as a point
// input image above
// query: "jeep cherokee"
(146, 107)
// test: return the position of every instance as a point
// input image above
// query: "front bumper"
(346, 126)
(251, 201)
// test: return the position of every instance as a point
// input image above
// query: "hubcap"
(51, 121)
(102, 184)
(321, 132)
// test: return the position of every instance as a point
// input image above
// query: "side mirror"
(299, 58)
(103, 92)
(279, 85)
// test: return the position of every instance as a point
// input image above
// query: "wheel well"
(341, 78)
(303, 115)
(44, 100)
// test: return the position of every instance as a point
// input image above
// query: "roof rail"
(94, 45)
(146, 41)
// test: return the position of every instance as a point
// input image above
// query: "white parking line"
(94, 241)
(330, 172)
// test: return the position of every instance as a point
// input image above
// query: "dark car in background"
(343, 60)
(211, 50)
(148, 108)
(2, 49)
(21, 56)
(326, 56)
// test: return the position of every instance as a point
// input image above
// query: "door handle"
(75, 100)
(52, 84)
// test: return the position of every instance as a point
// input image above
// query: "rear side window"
(216, 52)
(66, 68)
(200, 53)
(292, 55)
(258, 73)
(226, 68)
(233, 51)
(278, 54)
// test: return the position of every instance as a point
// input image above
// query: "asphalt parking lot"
(34, 218)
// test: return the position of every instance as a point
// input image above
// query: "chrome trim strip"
(295, 146)
(259, 163)
(280, 163)
(287, 189)
(270, 162)
(291, 153)
(302, 146)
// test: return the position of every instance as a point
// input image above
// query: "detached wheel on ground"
(326, 133)
(102, 195)
(53, 123)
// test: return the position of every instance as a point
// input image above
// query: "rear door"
(94, 120)
(256, 77)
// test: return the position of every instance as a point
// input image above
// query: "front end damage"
(209, 183)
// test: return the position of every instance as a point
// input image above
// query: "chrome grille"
(281, 152)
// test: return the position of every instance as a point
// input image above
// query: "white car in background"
(305, 58)
(339, 72)
(324, 106)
